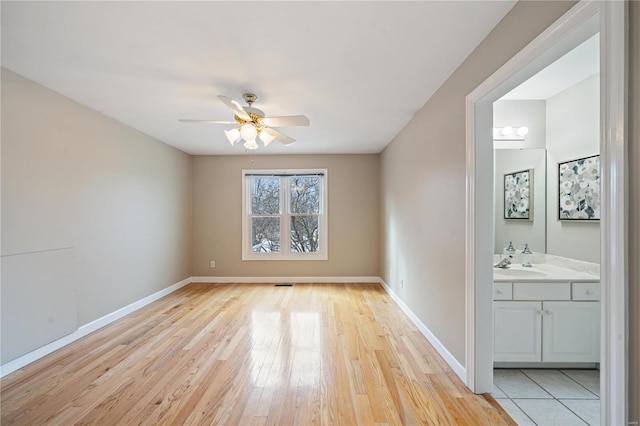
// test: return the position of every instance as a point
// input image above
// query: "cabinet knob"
(540, 311)
(548, 312)
(499, 291)
(589, 291)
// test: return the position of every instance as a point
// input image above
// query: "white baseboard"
(458, 368)
(83, 330)
(217, 280)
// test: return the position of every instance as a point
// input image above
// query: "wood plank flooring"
(249, 354)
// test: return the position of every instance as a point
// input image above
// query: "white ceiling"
(572, 68)
(359, 70)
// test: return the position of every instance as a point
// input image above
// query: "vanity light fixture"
(509, 133)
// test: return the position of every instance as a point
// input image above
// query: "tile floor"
(549, 397)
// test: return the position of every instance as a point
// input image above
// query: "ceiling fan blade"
(287, 121)
(186, 120)
(235, 107)
(280, 137)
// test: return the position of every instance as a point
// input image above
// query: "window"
(284, 215)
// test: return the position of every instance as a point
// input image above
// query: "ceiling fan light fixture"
(232, 135)
(266, 138)
(253, 124)
(249, 132)
(251, 144)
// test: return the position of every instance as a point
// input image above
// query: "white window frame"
(285, 217)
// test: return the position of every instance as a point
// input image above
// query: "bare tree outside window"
(265, 210)
(265, 195)
(305, 209)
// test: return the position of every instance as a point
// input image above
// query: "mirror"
(562, 128)
(560, 108)
(516, 155)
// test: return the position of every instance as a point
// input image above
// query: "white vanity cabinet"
(546, 322)
(571, 331)
(517, 329)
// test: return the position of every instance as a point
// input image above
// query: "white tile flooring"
(549, 397)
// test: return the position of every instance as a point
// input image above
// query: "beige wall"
(353, 216)
(423, 184)
(72, 177)
(634, 225)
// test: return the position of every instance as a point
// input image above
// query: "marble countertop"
(542, 272)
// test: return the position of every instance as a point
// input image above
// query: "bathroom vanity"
(547, 313)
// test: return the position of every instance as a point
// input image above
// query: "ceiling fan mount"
(255, 114)
(249, 98)
(254, 124)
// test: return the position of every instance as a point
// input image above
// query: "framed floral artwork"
(517, 195)
(579, 190)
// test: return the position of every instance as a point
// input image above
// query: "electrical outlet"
(213, 263)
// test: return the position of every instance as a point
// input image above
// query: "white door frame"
(610, 18)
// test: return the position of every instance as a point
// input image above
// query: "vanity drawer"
(542, 291)
(585, 291)
(502, 291)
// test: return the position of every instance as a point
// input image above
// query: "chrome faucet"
(504, 263)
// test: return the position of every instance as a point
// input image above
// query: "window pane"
(265, 234)
(304, 234)
(265, 195)
(305, 194)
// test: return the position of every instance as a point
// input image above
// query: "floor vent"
(283, 285)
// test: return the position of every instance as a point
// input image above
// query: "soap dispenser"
(526, 256)
(510, 250)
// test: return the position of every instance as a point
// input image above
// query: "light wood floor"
(249, 354)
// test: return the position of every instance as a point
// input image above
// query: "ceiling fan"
(253, 124)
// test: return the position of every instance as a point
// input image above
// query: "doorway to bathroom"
(546, 307)
(579, 24)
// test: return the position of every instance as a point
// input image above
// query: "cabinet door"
(571, 332)
(517, 328)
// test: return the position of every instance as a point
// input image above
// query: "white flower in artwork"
(567, 203)
(569, 174)
(584, 181)
(592, 170)
(523, 206)
(582, 168)
(581, 215)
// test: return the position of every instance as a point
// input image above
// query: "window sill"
(276, 257)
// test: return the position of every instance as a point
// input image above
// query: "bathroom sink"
(509, 272)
